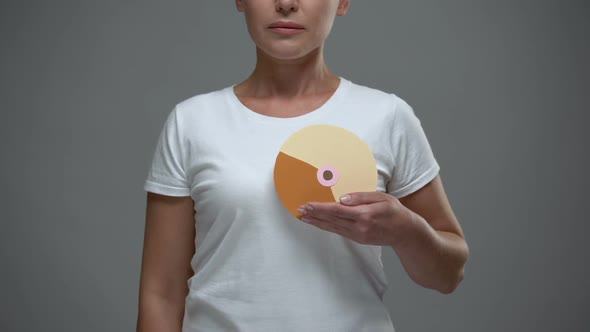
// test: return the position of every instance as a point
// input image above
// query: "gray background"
(501, 88)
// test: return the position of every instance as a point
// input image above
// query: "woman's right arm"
(168, 247)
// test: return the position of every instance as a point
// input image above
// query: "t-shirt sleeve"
(414, 162)
(166, 175)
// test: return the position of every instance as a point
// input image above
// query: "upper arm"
(168, 246)
(431, 203)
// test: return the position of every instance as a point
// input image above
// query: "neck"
(289, 78)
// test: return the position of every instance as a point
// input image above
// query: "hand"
(373, 218)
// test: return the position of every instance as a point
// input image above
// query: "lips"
(286, 28)
(286, 25)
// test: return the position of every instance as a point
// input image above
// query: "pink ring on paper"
(328, 175)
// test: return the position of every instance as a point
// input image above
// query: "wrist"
(409, 229)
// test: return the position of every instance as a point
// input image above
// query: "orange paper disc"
(320, 163)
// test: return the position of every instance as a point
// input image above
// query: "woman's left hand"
(373, 218)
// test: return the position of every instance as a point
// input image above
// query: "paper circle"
(328, 175)
(320, 163)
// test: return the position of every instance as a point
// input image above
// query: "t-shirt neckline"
(325, 107)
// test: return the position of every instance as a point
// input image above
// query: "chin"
(289, 56)
(287, 53)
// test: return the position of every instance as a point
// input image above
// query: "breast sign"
(320, 163)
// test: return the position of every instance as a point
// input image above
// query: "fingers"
(330, 211)
(327, 214)
(361, 218)
(344, 231)
(359, 198)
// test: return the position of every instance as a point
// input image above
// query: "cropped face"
(290, 29)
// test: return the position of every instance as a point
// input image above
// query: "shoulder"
(365, 92)
(201, 101)
(199, 111)
(388, 101)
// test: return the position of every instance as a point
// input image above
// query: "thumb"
(359, 198)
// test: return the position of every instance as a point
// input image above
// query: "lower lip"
(286, 31)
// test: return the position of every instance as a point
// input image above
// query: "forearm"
(159, 314)
(433, 259)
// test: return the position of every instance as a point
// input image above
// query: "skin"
(421, 228)
(168, 247)
(290, 79)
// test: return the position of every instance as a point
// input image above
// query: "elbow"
(454, 279)
(446, 284)
(452, 283)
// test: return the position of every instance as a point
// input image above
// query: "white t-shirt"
(258, 268)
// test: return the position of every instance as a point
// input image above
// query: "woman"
(212, 208)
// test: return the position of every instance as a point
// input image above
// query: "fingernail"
(345, 199)
(302, 211)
